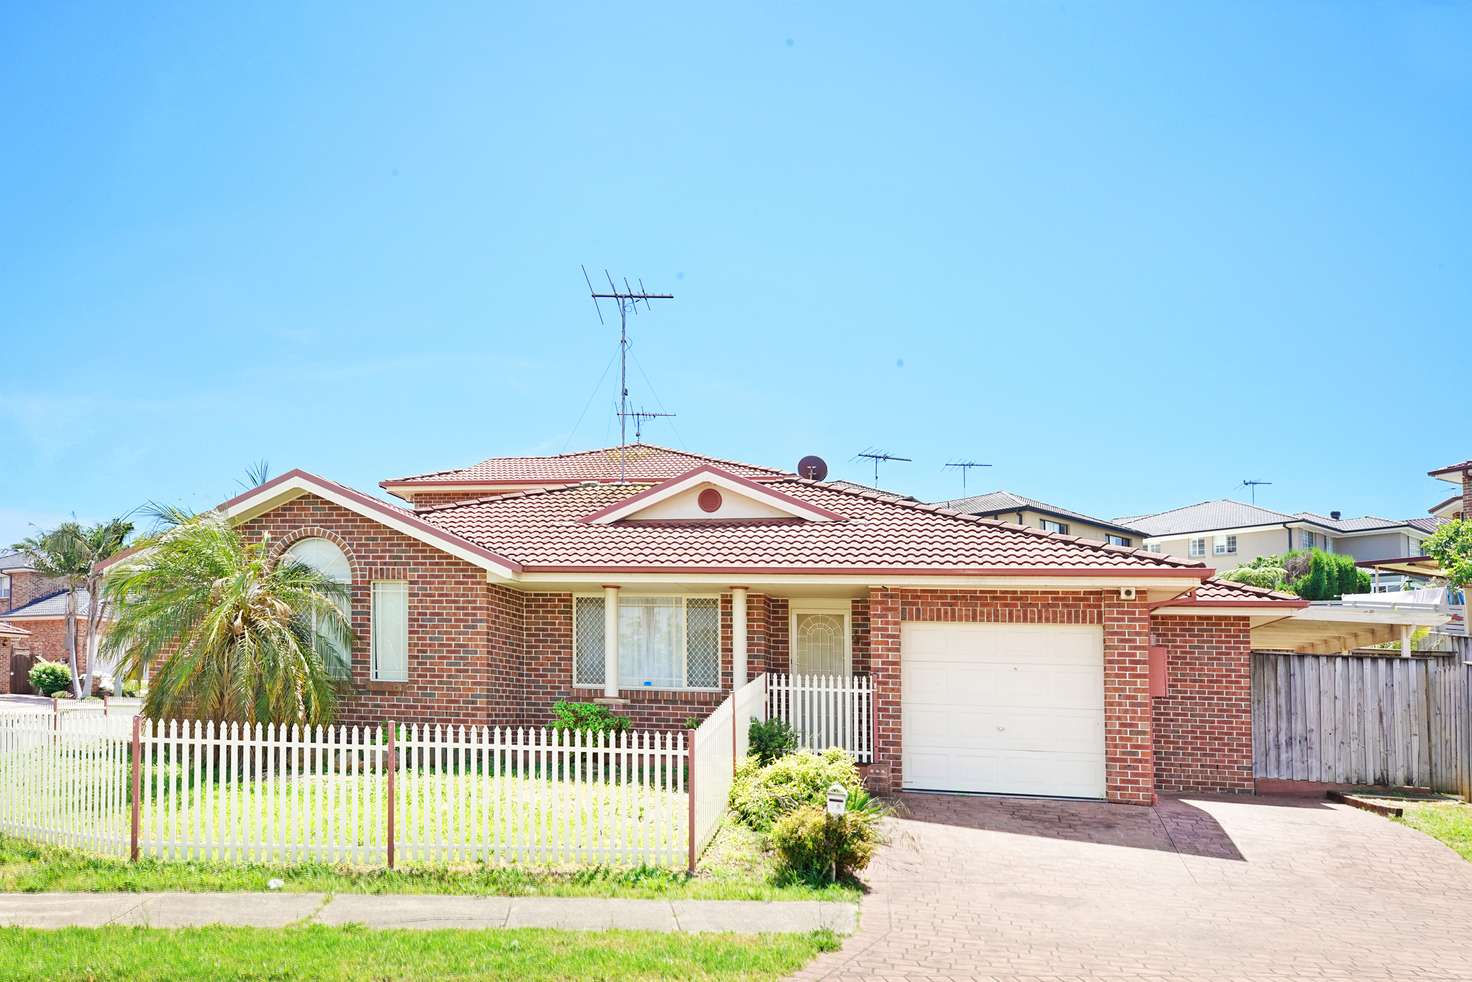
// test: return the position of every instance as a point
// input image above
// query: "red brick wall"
(1128, 740)
(1203, 726)
(1129, 764)
(48, 640)
(1467, 496)
(26, 586)
(453, 675)
(433, 499)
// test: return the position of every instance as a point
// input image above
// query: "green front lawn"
(735, 867)
(1448, 821)
(318, 952)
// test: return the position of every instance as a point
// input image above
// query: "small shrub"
(587, 717)
(770, 740)
(814, 845)
(50, 678)
(130, 690)
(691, 723)
(761, 794)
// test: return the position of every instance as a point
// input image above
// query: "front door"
(20, 671)
(820, 640)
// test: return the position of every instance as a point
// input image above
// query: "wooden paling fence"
(1344, 719)
(827, 711)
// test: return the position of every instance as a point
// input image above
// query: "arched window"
(325, 557)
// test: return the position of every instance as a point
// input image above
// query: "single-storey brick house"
(1003, 658)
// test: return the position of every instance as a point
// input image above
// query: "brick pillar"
(757, 660)
(1467, 495)
(1128, 732)
(884, 668)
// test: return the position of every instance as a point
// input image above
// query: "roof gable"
(295, 483)
(709, 494)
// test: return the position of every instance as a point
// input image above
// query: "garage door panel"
(1008, 709)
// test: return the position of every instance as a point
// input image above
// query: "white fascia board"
(249, 506)
(1389, 614)
(1246, 610)
(740, 578)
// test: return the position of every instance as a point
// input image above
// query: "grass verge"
(319, 952)
(1448, 821)
(735, 867)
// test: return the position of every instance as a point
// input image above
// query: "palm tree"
(225, 631)
(71, 553)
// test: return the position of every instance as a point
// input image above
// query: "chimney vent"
(1334, 515)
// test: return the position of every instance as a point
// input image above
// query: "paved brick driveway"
(1197, 888)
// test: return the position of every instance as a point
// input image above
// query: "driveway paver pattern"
(1194, 888)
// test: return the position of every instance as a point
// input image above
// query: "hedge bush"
(816, 846)
(587, 717)
(761, 794)
(770, 740)
(50, 677)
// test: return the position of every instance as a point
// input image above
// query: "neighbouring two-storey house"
(1020, 510)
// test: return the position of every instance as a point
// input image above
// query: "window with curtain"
(663, 642)
(326, 558)
(390, 631)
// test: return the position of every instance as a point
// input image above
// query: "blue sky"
(1129, 254)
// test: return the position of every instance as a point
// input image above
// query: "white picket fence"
(64, 780)
(826, 711)
(268, 794)
(717, 746)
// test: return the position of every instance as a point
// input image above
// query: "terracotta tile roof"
(1225, 591)
(1427, 525)
(544, 530)
(643, 462)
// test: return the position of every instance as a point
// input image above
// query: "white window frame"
(843, 607)
(347, 599)
(1306, 539)
(684, 649)
(1224, 545)
(4, 586)
(1051, 525)
(376, 634)
(1196, 547)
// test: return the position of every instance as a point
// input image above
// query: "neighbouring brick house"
(1003, 658)
(36, 605)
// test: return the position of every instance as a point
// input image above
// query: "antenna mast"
(877, 456)
(627, 299)
(965, 465)
(1254, 485)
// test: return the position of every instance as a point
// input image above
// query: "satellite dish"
(812, 467)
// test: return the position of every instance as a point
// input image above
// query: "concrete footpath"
(423, 911)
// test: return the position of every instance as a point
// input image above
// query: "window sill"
(625, 693)
(386, 686)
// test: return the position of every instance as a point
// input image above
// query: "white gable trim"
(786, 504)
(297, 483)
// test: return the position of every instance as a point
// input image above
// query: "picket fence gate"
(827, 711)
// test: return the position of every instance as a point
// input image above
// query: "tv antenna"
(1254, 485)
(638, 416)
(964, 466)
(628, 300)
(879, 456)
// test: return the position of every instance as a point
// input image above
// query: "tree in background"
(1312, 574)
(72, 553)
(224, 631)
(1451, 547)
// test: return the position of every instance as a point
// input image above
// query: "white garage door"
(1003, 708)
